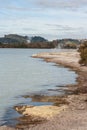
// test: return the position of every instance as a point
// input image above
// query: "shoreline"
(69, 60)
(75, 103)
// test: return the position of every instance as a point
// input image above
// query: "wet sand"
(68, 112)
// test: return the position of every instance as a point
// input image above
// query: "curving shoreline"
(67, 59)
(75, 107)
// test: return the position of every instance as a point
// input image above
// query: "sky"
(52, 19)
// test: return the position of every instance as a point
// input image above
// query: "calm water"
(21, 74)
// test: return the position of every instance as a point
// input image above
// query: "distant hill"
(17, 37)
(18, 41)
(13, 39)
(38, 39)
(68, 43)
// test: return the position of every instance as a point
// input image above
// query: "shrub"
(83, 53)
(70, 45)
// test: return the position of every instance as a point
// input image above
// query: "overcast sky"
(51, 19)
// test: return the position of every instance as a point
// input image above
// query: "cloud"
(64, 28)
(16, 8)
(71, 4)
(50, 18)
(21, 9)
(27, 29)
(40, 4)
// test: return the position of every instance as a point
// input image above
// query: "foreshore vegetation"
(83, 53)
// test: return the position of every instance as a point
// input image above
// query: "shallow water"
(20, 74)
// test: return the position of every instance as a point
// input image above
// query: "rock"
(42, 111)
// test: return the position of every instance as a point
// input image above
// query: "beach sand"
(72, 113)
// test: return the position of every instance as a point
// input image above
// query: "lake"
(20, 74)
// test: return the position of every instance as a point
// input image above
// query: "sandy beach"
(71, 113)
